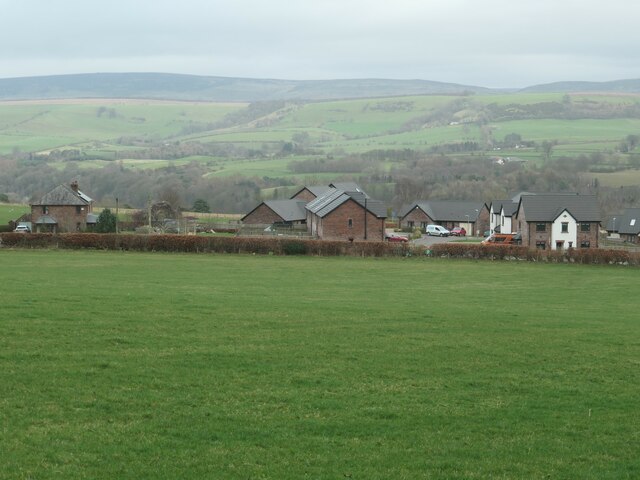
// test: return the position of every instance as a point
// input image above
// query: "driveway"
(426, 240)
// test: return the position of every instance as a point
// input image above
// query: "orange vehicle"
(503, 239)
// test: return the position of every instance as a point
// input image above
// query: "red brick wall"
(591, 236)
(262, 215)
(335, 225)
(304, 195)
(417, 216)
(67, 216)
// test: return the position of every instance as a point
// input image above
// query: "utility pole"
(117, 229)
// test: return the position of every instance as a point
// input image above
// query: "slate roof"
(627, 223)
(332, 199)
(46, 220)
(64, 195)
(546, 208)
(288, 210)
(447, 210)
(510, 207)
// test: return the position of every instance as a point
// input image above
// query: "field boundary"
(293, 246)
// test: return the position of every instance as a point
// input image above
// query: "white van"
(437, 230)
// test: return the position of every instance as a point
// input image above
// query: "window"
(541, 227)
(350, 223)
(585, 244)
(585, 227)
(45, 210)
(559, 244)
(565, 227)
(78, 209)
(541, 245)
(409, 224)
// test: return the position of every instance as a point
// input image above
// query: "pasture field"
(11, 211)
(130, 365)
(32, 126)
(416, 122)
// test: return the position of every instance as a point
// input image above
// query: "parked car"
(437, 230)
(22, 229)
(392, 237)
(458, 232)
(503, 239)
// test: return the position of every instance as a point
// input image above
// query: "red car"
(396, 238)
(458, 232)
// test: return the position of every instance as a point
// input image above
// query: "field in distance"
(153, 134)
(203, 366)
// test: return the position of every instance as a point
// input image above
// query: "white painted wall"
(505, 223)
(556, 231)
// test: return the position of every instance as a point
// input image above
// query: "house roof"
(46, 220)
(64, 195)
(546, 208)
(332, 199)
(288, 210)
(627, 223)
(447, 210)
(316, 190)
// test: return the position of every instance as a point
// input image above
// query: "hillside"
(616, 86)
(215, 89)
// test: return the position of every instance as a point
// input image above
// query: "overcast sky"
(491, 43)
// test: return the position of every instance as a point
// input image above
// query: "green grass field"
(94, 126)
(10, 211)
(123, 365)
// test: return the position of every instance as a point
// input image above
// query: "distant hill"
(616, 86)
(219, 89)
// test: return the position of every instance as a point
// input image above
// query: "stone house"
(63, 209)
(557, 222)
(473, 216)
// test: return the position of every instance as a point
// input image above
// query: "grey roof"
(316, 190)
(46, 220)
(627, 223)
(546, 208)
(288, 210)
(64, 195)
(448, 210)
(333, 198)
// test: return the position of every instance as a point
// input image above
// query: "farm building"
(63, 209)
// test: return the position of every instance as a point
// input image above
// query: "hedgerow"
(291, 246)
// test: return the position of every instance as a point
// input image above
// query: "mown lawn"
(127, 365)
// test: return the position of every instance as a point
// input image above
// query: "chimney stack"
(74, 186)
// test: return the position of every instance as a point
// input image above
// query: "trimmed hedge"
(203, 244)
(295, 246)
(594, 256)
